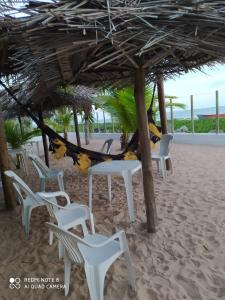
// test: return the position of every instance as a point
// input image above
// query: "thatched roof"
(100, 42)
(79, 96)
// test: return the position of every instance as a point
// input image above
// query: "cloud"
(202, 85)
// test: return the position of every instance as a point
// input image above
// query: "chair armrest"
(117, 236)
(120, 235)
(54, 195)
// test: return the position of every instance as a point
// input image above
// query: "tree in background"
(121, 104)
(88, 119)
(61, 120)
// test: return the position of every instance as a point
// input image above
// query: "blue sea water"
(186, 114)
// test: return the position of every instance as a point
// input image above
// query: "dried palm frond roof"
(101, 42)
(79, 97)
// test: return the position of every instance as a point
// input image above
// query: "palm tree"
(121, 104)
(167, 104)
(61, 120)
(88, 118)
(15, 137)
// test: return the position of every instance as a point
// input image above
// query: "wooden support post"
(139, 93)
(4, 165)
(76, 126)
(217, 113)
(44, 138)
(192, 115)
(162, 111)
(171, 116)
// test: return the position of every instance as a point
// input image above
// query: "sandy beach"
(185, 259)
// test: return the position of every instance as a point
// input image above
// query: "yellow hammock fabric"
(84, 161)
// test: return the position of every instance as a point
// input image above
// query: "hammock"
(84, 158)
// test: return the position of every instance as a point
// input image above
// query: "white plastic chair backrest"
(39, 165)
(70, 241)
(20, 187)
(108, 145)
(50, 201)
(164, 144)
(53, 207)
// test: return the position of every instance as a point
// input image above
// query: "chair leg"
(42, 184)
(130, 271)
(162, 163)
(27, 215)
(61, 249)
(67, 271)
(23, 215)
(95, 278)
(50, 237)
(60, 182)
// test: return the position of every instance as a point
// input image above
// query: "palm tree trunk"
(20, 123)
(76, 125)
(86, 130)
(65, 134)
(162, 111)
(124, 140)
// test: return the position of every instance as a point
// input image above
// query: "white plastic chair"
(26, 198)
(21, 155)
(45, 173)
(97, 253)
(66, 217)
(106, 147)
(163, 154)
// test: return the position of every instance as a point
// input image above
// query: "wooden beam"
(4, 165)
(76, 126)
(139, 90)
(44, 138)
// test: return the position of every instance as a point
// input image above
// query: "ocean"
(186, 113)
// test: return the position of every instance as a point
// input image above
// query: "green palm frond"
(61, 119)
(121, 104)
(15, 137)
(175, 104)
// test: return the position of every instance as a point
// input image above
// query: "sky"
(202, 85)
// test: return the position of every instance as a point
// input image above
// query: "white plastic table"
(124, 168)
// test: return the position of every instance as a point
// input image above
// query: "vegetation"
(61, 120)
(15, 137)
(121, 104)
(201, 125)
